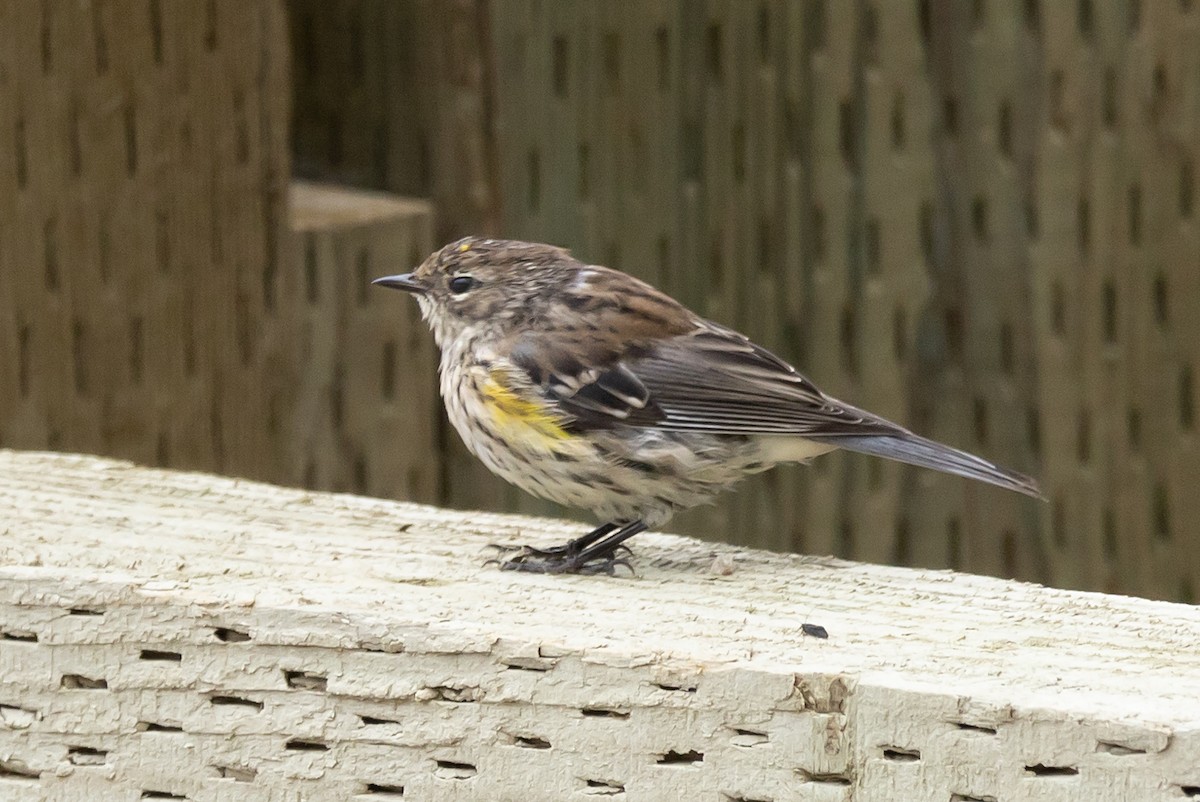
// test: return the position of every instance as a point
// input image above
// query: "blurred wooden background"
(976, 218)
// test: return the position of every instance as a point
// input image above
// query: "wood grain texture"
(213, 638)
(142, 198)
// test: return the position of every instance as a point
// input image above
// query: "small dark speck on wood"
(814, 630)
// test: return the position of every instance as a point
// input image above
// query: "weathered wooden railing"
(181, 636)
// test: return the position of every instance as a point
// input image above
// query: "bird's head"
(477, 282)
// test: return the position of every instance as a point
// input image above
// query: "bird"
(586, 386)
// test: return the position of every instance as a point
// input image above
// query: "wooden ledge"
(319, 207)
(176, 633)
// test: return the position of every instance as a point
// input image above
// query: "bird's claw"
(560, 552)
(561, 560)
(563, 552)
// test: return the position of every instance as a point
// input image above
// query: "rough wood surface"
(182, 636)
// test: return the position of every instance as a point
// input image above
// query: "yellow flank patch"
(519, 417)
(466, 246)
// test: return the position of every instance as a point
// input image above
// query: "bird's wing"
(717, 380)
(636, 357)
(633, 356)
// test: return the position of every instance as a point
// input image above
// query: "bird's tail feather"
(916, 450)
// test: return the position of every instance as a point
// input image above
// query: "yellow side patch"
(520, 417)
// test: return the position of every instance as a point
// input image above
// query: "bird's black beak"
(404, 282)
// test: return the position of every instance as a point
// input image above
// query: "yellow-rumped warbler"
(588, 387)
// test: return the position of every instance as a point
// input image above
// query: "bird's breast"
(495, 412)
(520, 418)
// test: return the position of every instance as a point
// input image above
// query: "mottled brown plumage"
(589, 387)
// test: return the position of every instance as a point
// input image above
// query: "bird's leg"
(571, 547)
(568, 549)
(605, 549)
(594, 553)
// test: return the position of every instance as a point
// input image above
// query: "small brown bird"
(583, 385)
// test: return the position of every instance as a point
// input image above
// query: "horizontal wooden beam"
(203, 638)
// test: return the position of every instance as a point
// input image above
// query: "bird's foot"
(561, 560)
(563, 552)
(600, 551)
(503, 549)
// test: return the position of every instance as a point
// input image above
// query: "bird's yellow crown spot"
(522, 417)
(466, 246)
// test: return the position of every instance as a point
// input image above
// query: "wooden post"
(362, 405)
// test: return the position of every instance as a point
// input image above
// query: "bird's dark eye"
(460, 284)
